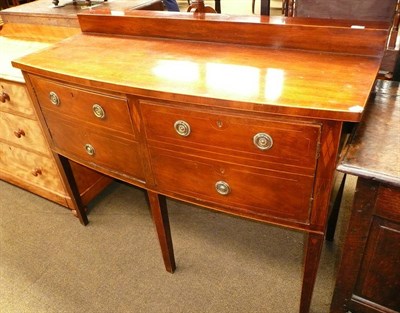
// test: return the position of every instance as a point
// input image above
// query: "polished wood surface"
(281, 87)
(369, 274)
(250, 129)
(374, 151)
(65, 14)
(32, 35)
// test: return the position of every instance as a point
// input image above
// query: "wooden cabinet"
(238, 130)
(369, 275)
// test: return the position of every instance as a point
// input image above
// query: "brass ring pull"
(98, 111)
(89, 149)
(36, 172)
(19, 133)
(54, 99)
(222, 188)
(182, 128)
(4, 97)
(263, 141)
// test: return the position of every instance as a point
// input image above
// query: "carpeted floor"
(50, 263)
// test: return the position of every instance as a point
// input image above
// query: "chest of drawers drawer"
(30, 168)
(244, 190)
(106, 111)
(95, 147)
(269, 140)
(14, 98)
(23, 132)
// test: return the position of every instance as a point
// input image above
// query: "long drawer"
(293, 143)
(244, 190)
(30, 167)
(95, 147)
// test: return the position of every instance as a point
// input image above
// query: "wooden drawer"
(387, 203)
(112, 111)
(113, 153)
(23, 132)
(292, 143)
(253, 192)
(31, 167)
(16, 98)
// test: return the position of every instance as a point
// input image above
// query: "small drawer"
(15, 99)
(23, 132)
(293, 143)
(95, 147)
(247, 191)
(104, 110)
(30, 167)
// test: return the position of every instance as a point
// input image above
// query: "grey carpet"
(50, 263)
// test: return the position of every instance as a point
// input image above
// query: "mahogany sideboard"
(25, 157)
(237, 115)
(369, 275)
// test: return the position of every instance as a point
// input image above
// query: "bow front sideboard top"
(240, 114)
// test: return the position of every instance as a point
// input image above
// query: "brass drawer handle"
(89, 149)
(222, 188)
(19, 133)
(182, 128)
(263, 141)
(4, 97)
(98, 111)
(54, 98)
(37, 171)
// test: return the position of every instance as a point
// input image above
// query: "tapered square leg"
(159, 212)
(312, 256)
(78, 208)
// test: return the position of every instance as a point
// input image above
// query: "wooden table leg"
(159, 212)
(333, 218)
(78, 208)
(312, 256)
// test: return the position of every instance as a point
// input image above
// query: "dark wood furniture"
(369, 10)
(369, 276)
(366, 10)
(241, 130)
